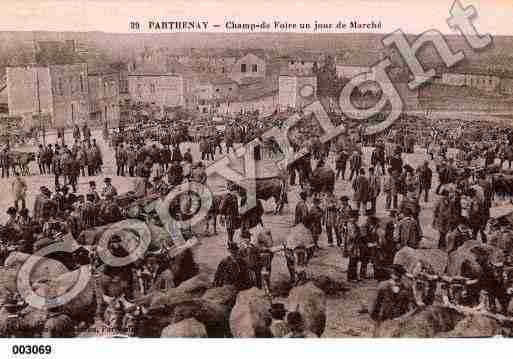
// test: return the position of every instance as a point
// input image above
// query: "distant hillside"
(17, 47)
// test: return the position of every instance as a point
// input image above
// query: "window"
(254, 68)
(152, 88)
(217, 90)
(229, 89)
(222, 70)
(60, 90)
(81, 83)
(242, 67)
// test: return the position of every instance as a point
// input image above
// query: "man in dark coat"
(441, 218)
(187, 157)
(355, 164)
(316, 215)
(175, 174)
(361, 190)
(341, 163)
(229, 208)
(408, 230)
(393, 298)
(378, 158)
(396, 162)
(232, 270)
(121, 160)
(425, 176)
(459, 235)
(301, 211)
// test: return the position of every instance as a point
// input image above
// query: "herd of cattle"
(196, 309)
(450, 301)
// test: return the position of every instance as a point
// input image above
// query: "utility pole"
(41, 120)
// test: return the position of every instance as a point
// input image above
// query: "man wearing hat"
(361, 190)
(10, 309)
(296, 324)
(175, 174)
(154, 276)
(331, 219)
(232, 270)
(409, 232)
(393, 298)
(355, 164)
(344, 214)
(301, 211)
(278, 327)
(198, 173)
(229, 209)
(121, 160)
(159, 186)
(43, 195)
(19, 190)
(109, 191)
(459, 235)
(315, 220)
(12, 222)
(92, 190)
(352, 246)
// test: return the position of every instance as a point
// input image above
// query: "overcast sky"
(495, 16)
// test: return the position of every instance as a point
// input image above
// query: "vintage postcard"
(221, 169)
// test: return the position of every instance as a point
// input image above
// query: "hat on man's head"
(107, 180)
(398, 270)
(407, 212)
(233, 247)
(463, 221)
(295, 321)
(354, 213)
(11, 211)
(480, 251)
(408, 168)
(344, 199)
(92, 183)
(278, 310)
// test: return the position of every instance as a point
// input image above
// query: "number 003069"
(31, 349)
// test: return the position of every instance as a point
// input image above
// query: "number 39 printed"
(31, 349)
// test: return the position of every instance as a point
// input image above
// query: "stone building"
(161, 89)
(296, 91)
(60, 91)
(104, 96)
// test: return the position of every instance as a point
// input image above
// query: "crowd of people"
(378, 213)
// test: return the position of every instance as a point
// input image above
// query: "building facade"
(296, 91)
(104, 97)
(163, 90)
(484, 82)
(58, 91)
(248, 67)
